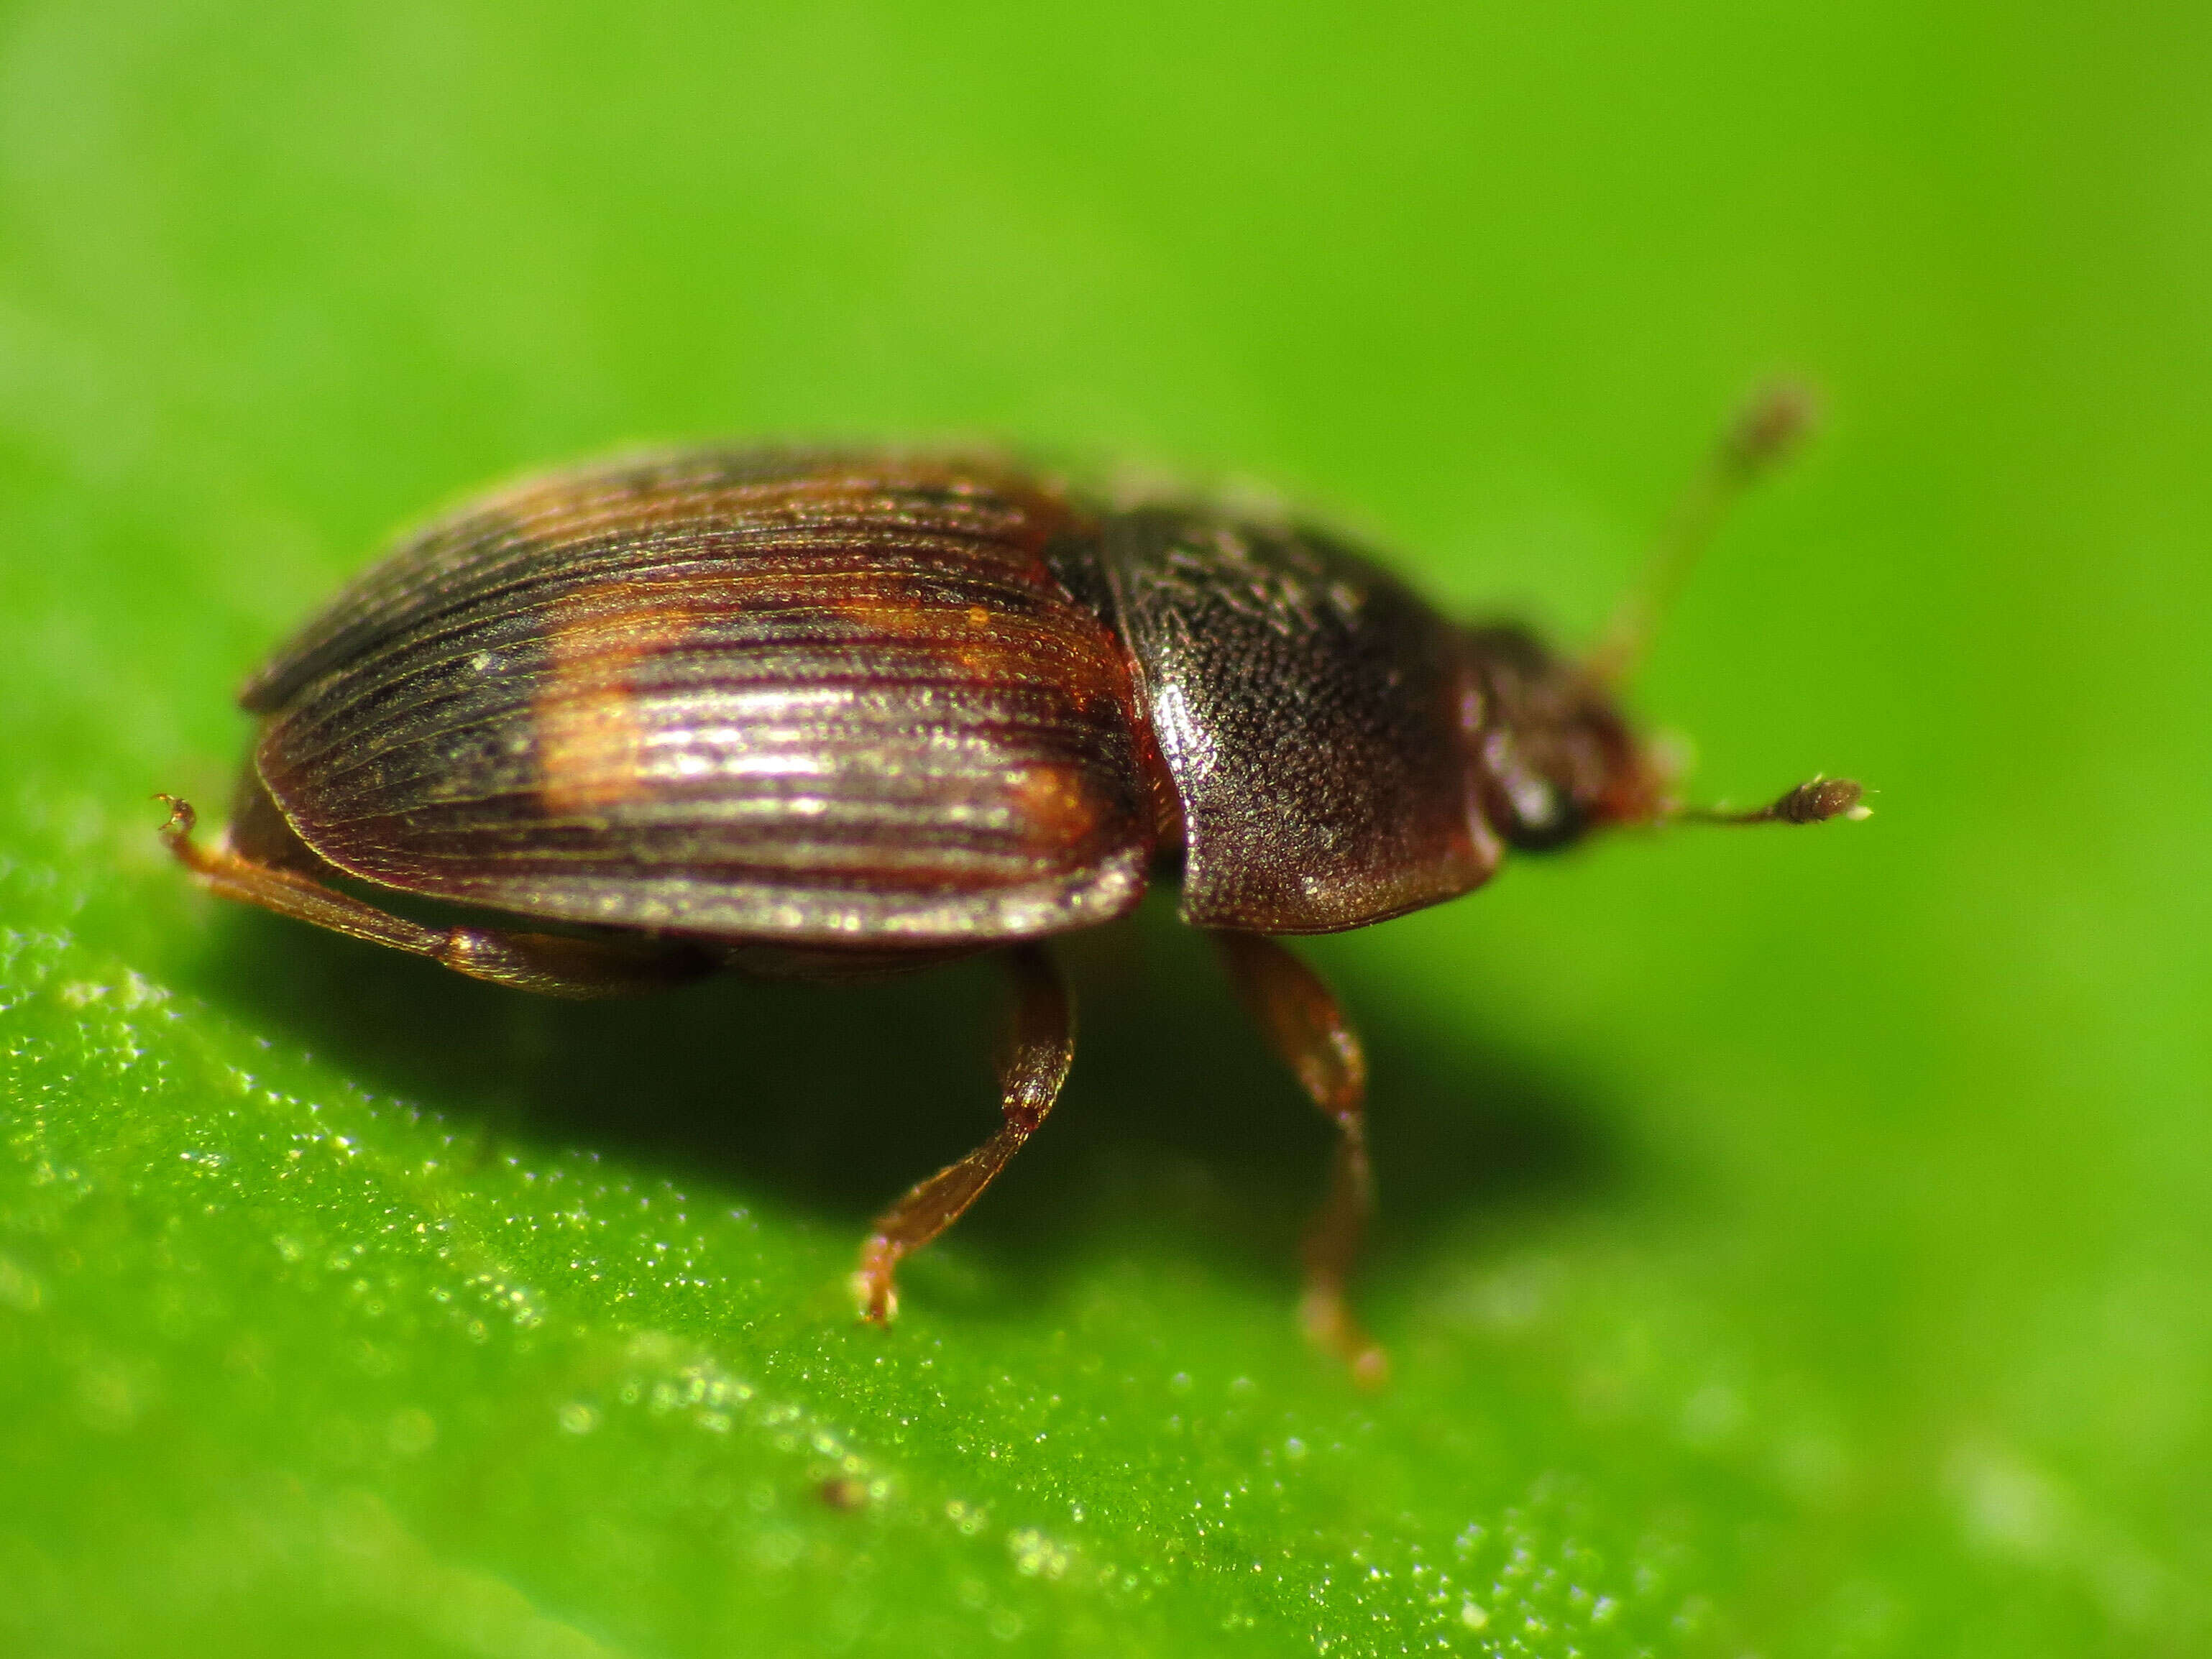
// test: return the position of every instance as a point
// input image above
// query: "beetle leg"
(1033, 1060)
(552, 964)
(1302, 1023)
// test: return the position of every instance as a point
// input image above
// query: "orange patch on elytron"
(1059, 807)
(591, 743)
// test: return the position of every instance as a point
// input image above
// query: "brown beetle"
(833, 715)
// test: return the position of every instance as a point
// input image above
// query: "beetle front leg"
(554, 964)
(1304, 1024)
(1033, 1060)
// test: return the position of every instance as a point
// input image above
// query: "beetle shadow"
(835, 1099)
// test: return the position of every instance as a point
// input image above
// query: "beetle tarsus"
(872, 1282)
(552, 964)
(1033, 1063)
(183, 820)
(1325, 1316)
(1304, 1023)
(1334, 1241)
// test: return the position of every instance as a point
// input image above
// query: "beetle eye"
(1538, 814)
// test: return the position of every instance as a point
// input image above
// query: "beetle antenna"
(1770, 424)
(1815, 802)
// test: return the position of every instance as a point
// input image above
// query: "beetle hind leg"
(1033, 1061)
(1304, 1024)
(554, 964)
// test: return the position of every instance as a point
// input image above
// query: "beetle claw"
(871, 1284)
(1329, 1324)
(183, 820)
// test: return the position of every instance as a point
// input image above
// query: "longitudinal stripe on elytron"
(846, 715)
(899, 668)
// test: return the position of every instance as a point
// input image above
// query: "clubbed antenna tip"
(1772, 423)
(1815, 802)
(1820, 800)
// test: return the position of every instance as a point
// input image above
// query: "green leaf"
(1793, 1241)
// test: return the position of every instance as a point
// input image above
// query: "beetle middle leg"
(1302, 1023)
(554, 964)
(1033, 1060)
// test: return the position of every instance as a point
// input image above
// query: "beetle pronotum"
(823, 714)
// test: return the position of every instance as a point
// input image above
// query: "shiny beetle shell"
(820, 701)
(735, 696)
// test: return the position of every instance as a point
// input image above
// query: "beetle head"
(1554, 756)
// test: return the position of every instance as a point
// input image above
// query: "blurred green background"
(1794, 1244)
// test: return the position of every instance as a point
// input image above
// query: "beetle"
(829, 714)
